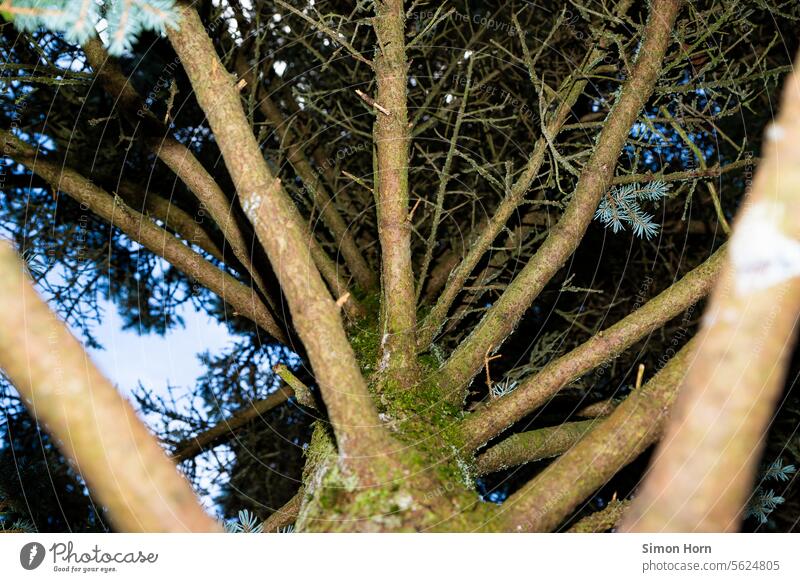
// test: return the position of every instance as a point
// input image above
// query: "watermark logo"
(31, 555)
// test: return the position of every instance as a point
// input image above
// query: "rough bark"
(284, 236)
(394, 228)
(603, 520)
(565, 236)
(284, 516)
(93, 425)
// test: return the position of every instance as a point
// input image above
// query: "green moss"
(366, 344)
(364, 335)
(427, 423)
(430, 479)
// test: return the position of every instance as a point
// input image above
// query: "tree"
(453, 244)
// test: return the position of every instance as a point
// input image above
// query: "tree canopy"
(461, 248)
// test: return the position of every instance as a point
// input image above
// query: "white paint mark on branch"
(762, 256)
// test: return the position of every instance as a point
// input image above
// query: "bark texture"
(399, 317)
(564, 237)
(285, 238)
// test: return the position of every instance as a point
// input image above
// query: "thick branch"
(143, 230)
(394, 228)
(282, 232)
(543, 503)
(94, 426)
(703, 473)
(565, 236)
(537, 389)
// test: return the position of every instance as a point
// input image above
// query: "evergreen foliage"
(622, 205)
(245, 522)
(764, 501)
(79, 20)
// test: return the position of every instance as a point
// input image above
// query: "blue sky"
(156, 361)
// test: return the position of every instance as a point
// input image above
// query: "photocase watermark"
(31, 555)
(496, 91)
(64, 557)
(344, 152)
(503, 26)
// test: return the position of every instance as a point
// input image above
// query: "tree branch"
(394, 229)
(141, 229)
(534, 391)
(565, 236)
(176, 156)
(284, 236)
(603, 520)
(543, 503)
(703, 473)
(573, 90)
(174, 218)
(533, 445)
(443, 181)
(223, 431)
(95, 427)
(284, 516)
(362, 272)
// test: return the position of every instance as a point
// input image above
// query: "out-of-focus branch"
(95, 427)
(703, 473)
